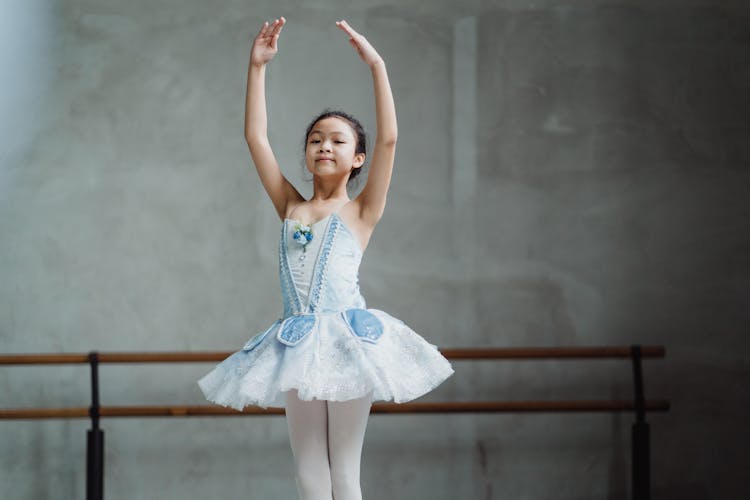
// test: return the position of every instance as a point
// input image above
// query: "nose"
(325, 145)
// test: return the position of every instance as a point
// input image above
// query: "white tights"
(326, 439)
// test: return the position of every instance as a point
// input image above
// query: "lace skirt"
(334, 356)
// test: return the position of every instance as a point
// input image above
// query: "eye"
(340, 142)
(314, 141)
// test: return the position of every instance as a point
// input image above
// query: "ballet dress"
(327, 343)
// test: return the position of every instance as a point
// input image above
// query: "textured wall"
(568, 173)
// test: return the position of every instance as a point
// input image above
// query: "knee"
(345, 482)
(313, 482)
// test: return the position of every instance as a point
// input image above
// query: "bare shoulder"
(358, 223)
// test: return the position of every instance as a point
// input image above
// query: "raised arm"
(373, 196)
(279, 189)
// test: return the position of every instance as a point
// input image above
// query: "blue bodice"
(327, 278)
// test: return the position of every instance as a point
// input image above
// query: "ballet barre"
(640, 433)
(576, 352)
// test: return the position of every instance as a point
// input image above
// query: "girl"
(328, 356)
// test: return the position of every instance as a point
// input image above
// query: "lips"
(325, 159)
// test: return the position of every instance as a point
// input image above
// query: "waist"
(326, 302)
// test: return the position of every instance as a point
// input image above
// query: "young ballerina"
(328, 356)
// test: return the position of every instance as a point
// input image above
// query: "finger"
(263, 29)
(351, 30)
(272, 30)
(280, 25)
(268, 29)
(348, 30)
(345, 26)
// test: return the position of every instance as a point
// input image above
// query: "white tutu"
(330, 363)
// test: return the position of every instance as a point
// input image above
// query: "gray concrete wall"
(568, 173)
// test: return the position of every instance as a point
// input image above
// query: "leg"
(347, 421)
(308, 435)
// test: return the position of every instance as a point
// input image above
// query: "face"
(331, 147)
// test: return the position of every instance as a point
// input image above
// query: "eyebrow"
(320, 132)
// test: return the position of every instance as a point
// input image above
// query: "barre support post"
(640, 462)
(95, 438)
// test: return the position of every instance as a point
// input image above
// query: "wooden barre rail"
(436, 407)
(613, 352)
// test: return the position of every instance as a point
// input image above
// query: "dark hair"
(357, 128)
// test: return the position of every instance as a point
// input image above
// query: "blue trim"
(319, 272)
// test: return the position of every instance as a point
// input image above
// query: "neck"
(329, 190)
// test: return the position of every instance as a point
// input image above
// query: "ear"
(359, 160)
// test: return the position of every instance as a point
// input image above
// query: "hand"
(368, 54)
(264, 45)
